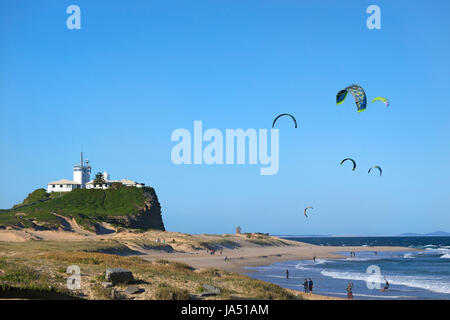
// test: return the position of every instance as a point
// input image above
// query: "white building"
(81, 180)
(108, 183)
(62, 185)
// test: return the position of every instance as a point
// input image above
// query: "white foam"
(282, 277)
(345, 275)
(359, 259)
(384, 297)
(446, 256)
(409, 256)
(305, 265)
(429, 251)
(320, 261)
(434, 285)
(302, 266)
(368, 295)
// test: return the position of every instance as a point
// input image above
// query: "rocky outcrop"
(96, 211)
(118, 276)
(149, 216)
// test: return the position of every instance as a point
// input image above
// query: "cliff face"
(148, 217)
(127, 207)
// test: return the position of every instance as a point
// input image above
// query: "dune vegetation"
(40, 269)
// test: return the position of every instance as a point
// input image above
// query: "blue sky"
(137, 70)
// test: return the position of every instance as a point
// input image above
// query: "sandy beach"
(252, 256)
(233, 253)
(240, 251)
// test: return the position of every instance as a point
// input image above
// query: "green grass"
(85, 206)
(167, 292)
(35, 196)
(18, 276)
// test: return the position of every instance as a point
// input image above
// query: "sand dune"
(239, 250)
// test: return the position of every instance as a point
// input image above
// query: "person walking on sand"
(350, 291)
(305, 285)
(314, 258)
(287, 274)
(310, 285)
(226, 258)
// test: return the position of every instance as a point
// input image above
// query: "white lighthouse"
(82, 172)
(82, 180)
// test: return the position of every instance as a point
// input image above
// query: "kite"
(354, 163)
(357, 93)
(284, 114)
(386, 101)
(377, 167)
(307, 209)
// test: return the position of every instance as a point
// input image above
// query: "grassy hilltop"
(122, 207)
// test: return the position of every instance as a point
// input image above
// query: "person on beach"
(350, 291)
(287, 274)
(314, 258)
(305, 285)
(310, 285)
(226, 258)
(386, 285)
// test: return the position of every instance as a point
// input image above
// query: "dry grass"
(161, 279)
(42, 265)
(167, 292)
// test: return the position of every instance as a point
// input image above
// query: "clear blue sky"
(137, 70)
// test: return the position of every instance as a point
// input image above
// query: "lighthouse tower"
(82, 172)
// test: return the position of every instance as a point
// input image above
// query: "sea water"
(421, 274)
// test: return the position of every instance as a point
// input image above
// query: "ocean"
(412, 275)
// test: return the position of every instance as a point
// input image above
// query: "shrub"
(166, 292)
(35, 196)
(116, 185)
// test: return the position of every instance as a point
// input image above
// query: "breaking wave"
(434, 285)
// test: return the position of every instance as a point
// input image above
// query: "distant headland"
(100, 205)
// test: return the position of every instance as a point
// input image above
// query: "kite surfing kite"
(377, 167)
(386, 101)
(354, 163)
(307, 209)
(284, 114)
(357, 93)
